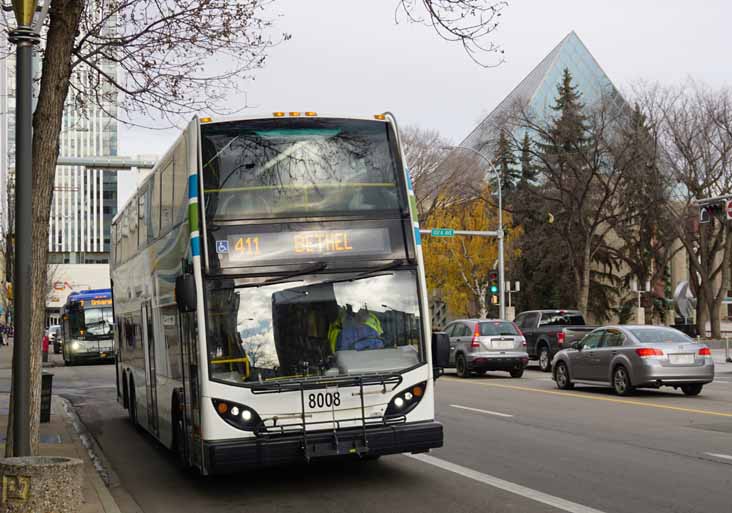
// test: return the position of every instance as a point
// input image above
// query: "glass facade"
(538, 89)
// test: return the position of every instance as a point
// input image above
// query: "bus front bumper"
(236, 455)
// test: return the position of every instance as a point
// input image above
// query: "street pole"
(23, 244)
(24, 35)
(499, 234)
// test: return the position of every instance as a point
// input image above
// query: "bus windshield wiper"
(320, 266)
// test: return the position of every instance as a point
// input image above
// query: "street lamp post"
(499, 236)
(29, 20)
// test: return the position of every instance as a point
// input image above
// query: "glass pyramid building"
(539, 89)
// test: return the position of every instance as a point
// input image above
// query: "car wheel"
(692, 388)
(461, 366)
(621, 381)
(561, 377)
(545, 362)
(516, 373)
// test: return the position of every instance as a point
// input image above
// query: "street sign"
(728, 209)
(704, 215)
(442, 232)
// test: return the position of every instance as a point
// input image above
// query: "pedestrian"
(2, 335)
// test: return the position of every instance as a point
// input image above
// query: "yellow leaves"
(458, 266)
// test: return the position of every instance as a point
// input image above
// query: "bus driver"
(355, 331)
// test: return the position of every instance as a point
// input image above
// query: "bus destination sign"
(256, 247)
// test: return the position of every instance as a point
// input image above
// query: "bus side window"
(153, 227)
(166, 197)
(180, 181)
(142, 226)
(134, 242)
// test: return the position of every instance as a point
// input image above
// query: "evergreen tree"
(528, 169)
(505, 163)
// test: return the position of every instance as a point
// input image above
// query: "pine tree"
(505, 163)
(528, 169)
(567, 132)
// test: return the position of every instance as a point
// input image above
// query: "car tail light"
(648, 352)
(704, 351)
(523, 341)
(518, 330)
(476, 333)
(560, 338)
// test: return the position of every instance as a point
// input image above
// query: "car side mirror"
(577, 345)
(185, 293)
(440, 352)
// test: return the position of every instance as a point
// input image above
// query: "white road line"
(720, 381)
(529, 493)
(481, 411)
(720, 456)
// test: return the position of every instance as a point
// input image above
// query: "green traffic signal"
(494, 288)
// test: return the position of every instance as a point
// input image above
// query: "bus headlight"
(237, 415)
(406, 400)
(75, 346)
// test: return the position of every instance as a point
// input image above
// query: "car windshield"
(561, 319)
(274, 167)
(656, 335)
(314, 325)
(495, 328)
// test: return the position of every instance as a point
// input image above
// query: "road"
(512, 445)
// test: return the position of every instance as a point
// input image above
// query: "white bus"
(270, 298)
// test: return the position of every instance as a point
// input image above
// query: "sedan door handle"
(614, 352)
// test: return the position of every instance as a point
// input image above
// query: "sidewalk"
(60, 437)
(720, 365)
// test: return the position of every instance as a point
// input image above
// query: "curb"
(104, 477)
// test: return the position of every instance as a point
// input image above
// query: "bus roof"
(86, 295)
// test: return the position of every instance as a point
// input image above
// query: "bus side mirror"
(440, 352)
(185, 293)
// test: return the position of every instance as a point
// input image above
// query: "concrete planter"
(40, 484)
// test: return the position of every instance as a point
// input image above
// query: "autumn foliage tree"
(459, 266)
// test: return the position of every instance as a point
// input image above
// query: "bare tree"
(580, 170)
(425, 150)
(693, 127)
(468, 22)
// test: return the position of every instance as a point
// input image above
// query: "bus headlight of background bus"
(75, 346)
(237, 415)
(406, 400)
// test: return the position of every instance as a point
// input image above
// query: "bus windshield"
(298, 166)
(316, 325)
(91, 323)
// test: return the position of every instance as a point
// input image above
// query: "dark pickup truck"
(549, 331)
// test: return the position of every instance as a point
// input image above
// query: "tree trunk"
(65, 16)
(583, 292)
(702, 312)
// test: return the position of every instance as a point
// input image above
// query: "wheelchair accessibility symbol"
(222, 246)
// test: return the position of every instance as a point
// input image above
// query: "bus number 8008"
(324, 400)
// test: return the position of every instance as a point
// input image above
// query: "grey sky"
(349, 57)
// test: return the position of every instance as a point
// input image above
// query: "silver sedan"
(628, 357)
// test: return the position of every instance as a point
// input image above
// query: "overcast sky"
(349, 57)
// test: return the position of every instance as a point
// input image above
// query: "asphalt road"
(512, 445)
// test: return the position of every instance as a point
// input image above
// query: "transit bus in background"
(88, 327)
(270, 295)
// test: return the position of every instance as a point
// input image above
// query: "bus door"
(189, 375)
(151, 385)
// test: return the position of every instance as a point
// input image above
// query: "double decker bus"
(88, 327)
(270, 296)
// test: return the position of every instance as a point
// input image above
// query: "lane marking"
(498, 414)
(719, 381)
(720, 456)
(508, 486)
(595, 398)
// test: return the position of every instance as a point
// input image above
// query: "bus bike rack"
(385, 381)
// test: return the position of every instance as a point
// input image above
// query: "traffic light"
(493, 282)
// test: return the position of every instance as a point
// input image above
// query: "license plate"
(681, 359)
(503, 344)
